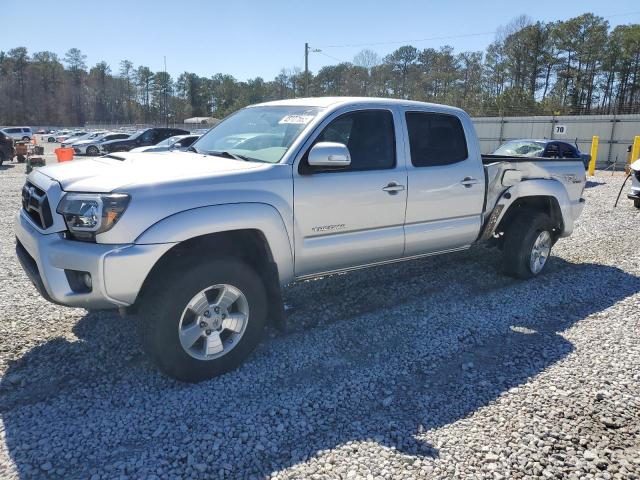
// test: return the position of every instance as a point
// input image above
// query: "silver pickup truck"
(200, 243)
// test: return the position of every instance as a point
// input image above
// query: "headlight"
(88, 214)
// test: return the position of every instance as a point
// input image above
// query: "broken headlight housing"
(88, 214)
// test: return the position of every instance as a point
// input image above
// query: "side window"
(435, 139)
(368, 134)
(552, 151)
(148, 136)
(567, 151)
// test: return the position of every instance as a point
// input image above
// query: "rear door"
(352, 216)
(446, 183)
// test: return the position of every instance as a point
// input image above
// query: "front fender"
(535, 188)
(223, 218)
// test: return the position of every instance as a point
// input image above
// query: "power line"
(329, 56)
(447, 37)
(621, 14)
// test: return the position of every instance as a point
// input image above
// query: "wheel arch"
(541, 195)
(255, 233)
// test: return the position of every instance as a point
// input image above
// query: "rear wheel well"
(544, 204)
(248, 245)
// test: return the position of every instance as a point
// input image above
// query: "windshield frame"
(296, 110)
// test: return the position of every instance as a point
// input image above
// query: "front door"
(352, 216)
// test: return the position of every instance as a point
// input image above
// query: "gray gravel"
(437, 368)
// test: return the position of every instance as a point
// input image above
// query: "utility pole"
(307, 49)
(306, 69)
(166, 85)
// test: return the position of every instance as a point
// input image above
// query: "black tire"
(92, 150)
(636, 203)
(51, 140)
(519, 239)
(26, 139)
(163, 305)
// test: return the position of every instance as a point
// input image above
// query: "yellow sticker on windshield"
(296, 119)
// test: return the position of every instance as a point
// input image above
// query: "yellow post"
(635, 150)
(594, 155)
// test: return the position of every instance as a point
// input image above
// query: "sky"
(250, 38)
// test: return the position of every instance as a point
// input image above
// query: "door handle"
(468, 182)
(393, 188)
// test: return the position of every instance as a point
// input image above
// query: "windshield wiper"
(235, 156)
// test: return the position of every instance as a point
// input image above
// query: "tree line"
(577, 66)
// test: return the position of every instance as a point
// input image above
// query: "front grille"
(36, 205)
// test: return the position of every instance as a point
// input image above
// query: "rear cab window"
(435, 139)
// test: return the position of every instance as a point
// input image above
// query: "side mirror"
(176, 145)
(329, 154)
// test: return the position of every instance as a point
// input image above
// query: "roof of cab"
(324, 102)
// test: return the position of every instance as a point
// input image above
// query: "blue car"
(542, 149)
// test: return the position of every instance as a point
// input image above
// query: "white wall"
(616, 132)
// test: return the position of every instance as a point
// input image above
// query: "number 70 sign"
(560, 129)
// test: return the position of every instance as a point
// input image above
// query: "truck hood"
(111, 172)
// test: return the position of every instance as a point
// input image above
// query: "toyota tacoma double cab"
(200, 243)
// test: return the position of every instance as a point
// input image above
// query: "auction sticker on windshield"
(296, 119)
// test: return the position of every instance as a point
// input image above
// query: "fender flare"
(532, 188)
(199, 221)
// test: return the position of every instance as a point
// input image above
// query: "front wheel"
(205, 320)
(92, 150)
(636, 203)
(527, 245)
(26, 139)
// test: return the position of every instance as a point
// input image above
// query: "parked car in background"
(141, 138)
(52, 136)
(18, 133)
(70, 136)
(171, 143)
(542, 149)
(7, 151)
(92, 146)
(87, 136)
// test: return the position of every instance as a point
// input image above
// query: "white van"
(18, 133)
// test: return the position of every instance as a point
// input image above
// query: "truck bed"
(570, 172)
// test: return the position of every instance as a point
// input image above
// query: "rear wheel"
(527, 245)
(26, 139)
(205, 320)
(92, 150)
(51, 140)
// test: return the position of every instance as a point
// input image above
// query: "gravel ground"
(436, 368)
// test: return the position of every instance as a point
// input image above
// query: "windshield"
(137, 133)
(168, 141)
(521, 149)
(257, 133)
